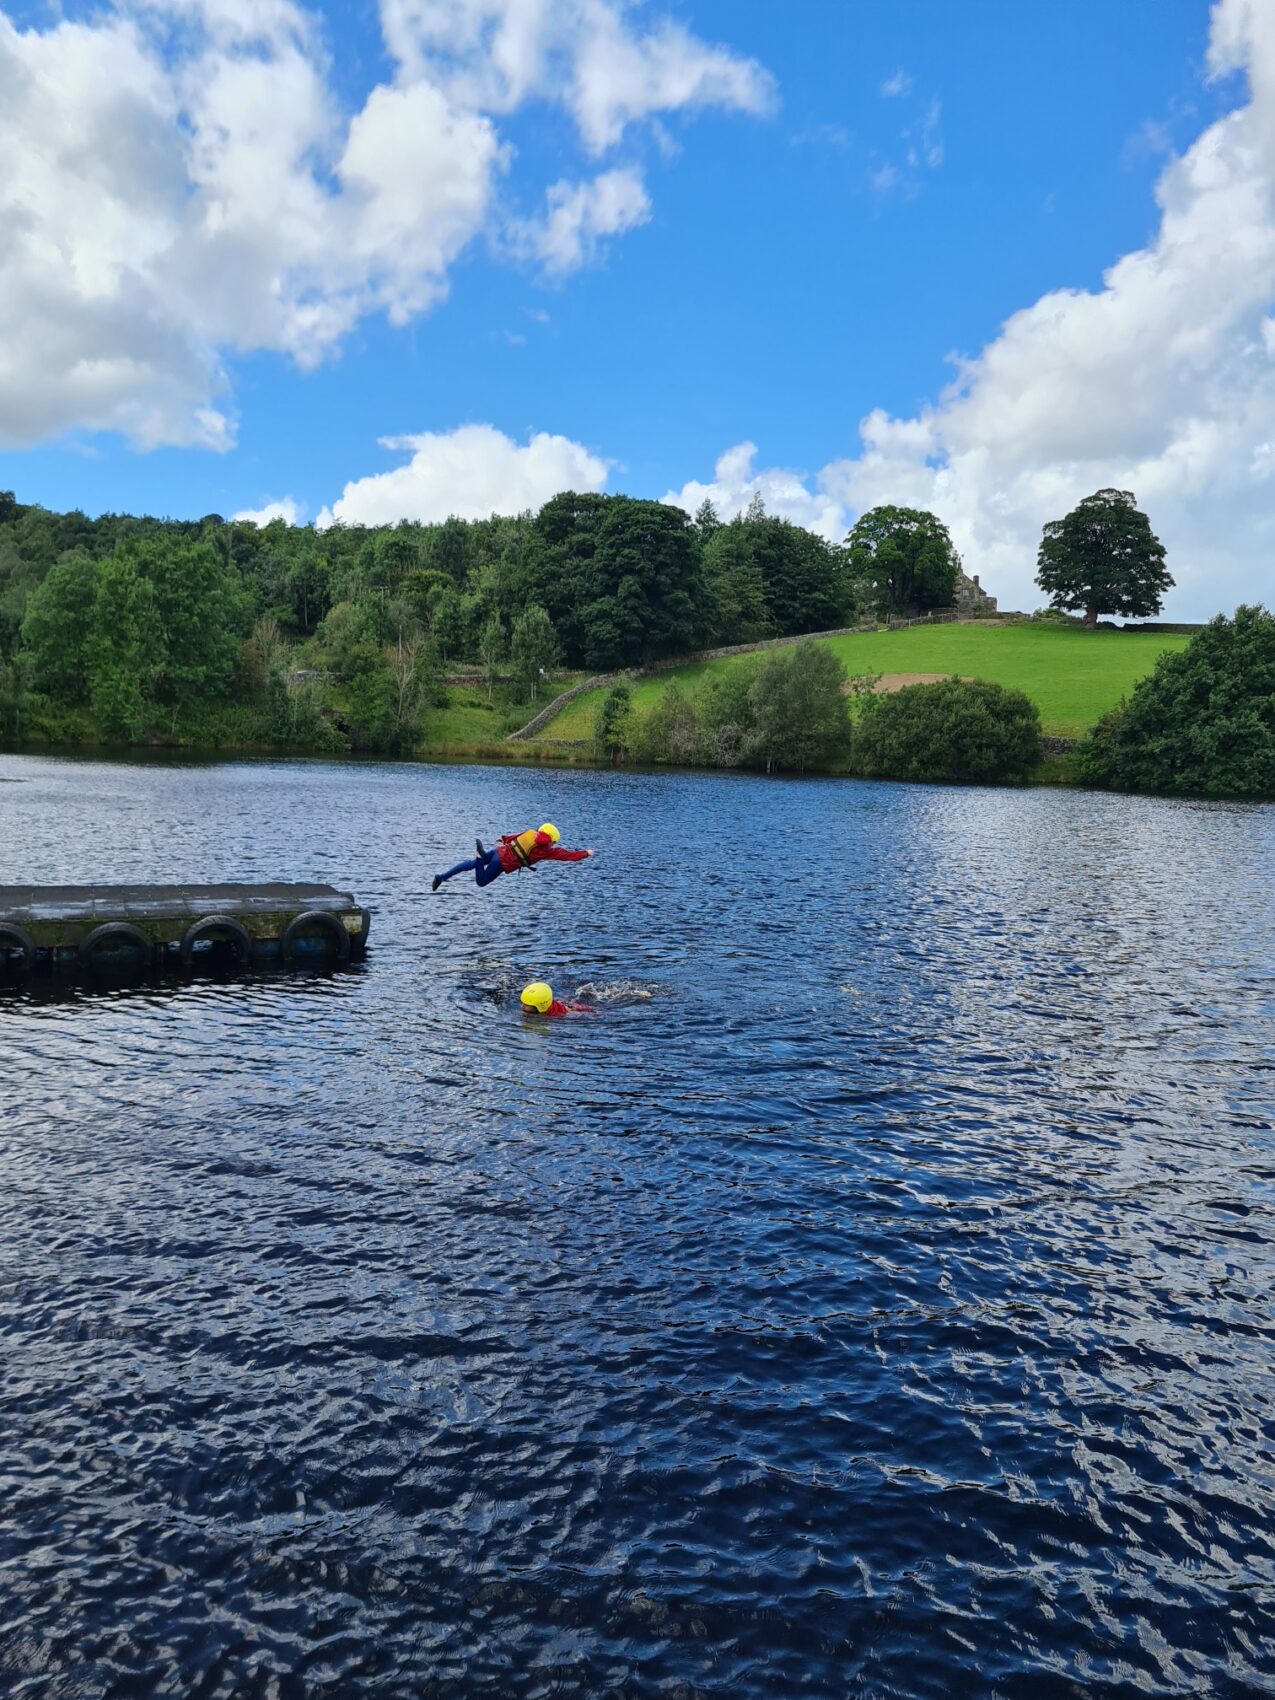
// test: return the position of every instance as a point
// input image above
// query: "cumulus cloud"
(180, 182)
(579, 215)
(785, 493)
(287, 508)
(472, 472)
(591, 55)
(1161, 382)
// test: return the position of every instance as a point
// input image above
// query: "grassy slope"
(1073, 676)
(469, 721)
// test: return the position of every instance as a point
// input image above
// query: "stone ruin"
(971, 598)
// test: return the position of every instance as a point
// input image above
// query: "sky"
(405, 258)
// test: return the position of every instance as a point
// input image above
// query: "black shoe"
(438, 880)
(478, 845)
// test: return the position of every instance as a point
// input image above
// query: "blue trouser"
(484, 868)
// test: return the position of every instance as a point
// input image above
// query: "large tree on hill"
(621, 579)
(903, 560)
(1104, 558)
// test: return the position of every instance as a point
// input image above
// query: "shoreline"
(512, 754)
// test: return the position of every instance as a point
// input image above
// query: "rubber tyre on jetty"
(316, 921)
(218, 929)
(113, 934)
(15, 939)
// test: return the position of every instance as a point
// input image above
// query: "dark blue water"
(875, 1299)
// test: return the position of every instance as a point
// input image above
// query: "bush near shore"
(792, 711)
(1202, 724)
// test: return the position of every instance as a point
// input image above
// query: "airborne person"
(516, 850)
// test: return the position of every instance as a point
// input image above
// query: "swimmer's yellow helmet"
(552, 830)
(537, 996)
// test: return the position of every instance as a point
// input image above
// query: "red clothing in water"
(524, 849)
(558, 1008)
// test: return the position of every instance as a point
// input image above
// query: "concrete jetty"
(121, 929)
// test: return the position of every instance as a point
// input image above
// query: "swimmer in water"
(538, 999)
(516, 850)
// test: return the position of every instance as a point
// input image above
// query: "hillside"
(1073, 676)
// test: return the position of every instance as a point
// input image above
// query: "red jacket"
(559, 1008)
(524, 849)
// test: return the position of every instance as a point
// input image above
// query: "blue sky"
(774, 223)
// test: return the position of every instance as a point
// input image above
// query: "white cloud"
(899, 83)
(1161, 382)
(287, 508)
(179, 181)
(579, 215)
(587, 54)
(785, 493)
(472, 472)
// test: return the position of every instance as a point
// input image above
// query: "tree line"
(142, 628)
(145, 626)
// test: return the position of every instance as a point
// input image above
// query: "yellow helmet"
(552, 830)
(537, 996)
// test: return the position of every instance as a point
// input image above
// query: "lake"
(874, 1299)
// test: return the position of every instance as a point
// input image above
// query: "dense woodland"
(220, 631)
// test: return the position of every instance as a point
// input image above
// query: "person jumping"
(516, 850)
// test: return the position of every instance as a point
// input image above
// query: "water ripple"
(873, 1299)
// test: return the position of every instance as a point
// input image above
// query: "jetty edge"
(106, 929)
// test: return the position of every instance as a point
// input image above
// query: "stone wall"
(547, 713)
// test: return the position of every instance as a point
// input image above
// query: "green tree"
(56, 628)
(1202, 724)
(349, 628)
(621, 579)
(736, 587)
(959, 730)
(613, 728)
(492, 648)
(800, 714)
(671, 731)
(451, 549)
(447, 622)
(803, 577)
(533, 648)
(1103, 557)
(201, 615)
(903, 560)
(125, 646)
(707, 520)
(373, 704)
(727, 716)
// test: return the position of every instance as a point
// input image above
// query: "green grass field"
(1072, 676)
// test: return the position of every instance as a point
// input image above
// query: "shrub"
(670, 732)
(1202, 724)
(613, 727)
(727, 718)
(961, 730)
(800, 715)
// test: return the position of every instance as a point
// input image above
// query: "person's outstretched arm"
(555, 853)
